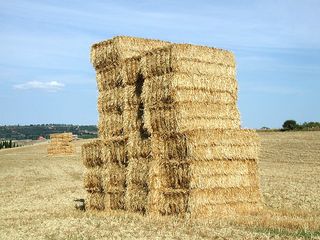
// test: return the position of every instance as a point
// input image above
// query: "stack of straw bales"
(60, 144)
(202, 162)
(173, 110)
(107, 159)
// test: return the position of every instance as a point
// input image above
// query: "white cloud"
(51, 86)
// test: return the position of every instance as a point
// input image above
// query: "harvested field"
(37, 193)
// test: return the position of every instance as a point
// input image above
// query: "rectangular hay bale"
(114, 51)
(91, 154)
(114, 151)
(111, 101)
(136, 198)
(110, 125)
(138, 171)
(109, 78)
(180, 87)
(221, 195)
(138, 145)
(203, 174)
(114, 200)
(168, 202)
(93, 180)
(95, 201)
(187, 58)
(205, 144)
(132, 120)
(190, 116)
(113, 177)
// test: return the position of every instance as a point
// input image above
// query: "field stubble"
(37, 192)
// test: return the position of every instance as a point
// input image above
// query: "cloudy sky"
(46, 76)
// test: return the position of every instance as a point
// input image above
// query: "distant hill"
(19, 132)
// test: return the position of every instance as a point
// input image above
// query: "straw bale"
(114, 151)
(131, 71)
(62, 136)
(205, 144)
(137, 184)
(223, 195)
(60, 149)
(177, 175)
(136, 198)
(131, 96)
(168, 202)
(93, 180)
(109, 78)
(95, 201)
(138, 146)
(91, 154)
(221, 167)
(110, 124)
(111, 101)
(114, 200)
(225, 152)
(223, 181)
(59, 141)
(170, 175)
(188, 58)
(217, 210)
(197, 110)
(113, 177)
(189, 116)
(188, 95)
(138, 171)
(172, 121)
(182, 87)
(114, 51)
(131, 120)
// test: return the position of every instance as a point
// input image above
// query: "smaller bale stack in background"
(61, 143)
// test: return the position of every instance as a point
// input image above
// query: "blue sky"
(46, 75)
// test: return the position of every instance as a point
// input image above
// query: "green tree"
(290, 125)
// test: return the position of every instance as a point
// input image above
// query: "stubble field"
(37, 192)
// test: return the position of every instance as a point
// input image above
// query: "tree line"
(292, 125)
(8, 144)
(20, 132)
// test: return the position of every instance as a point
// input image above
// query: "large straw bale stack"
(169, 125)
(61, 143)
